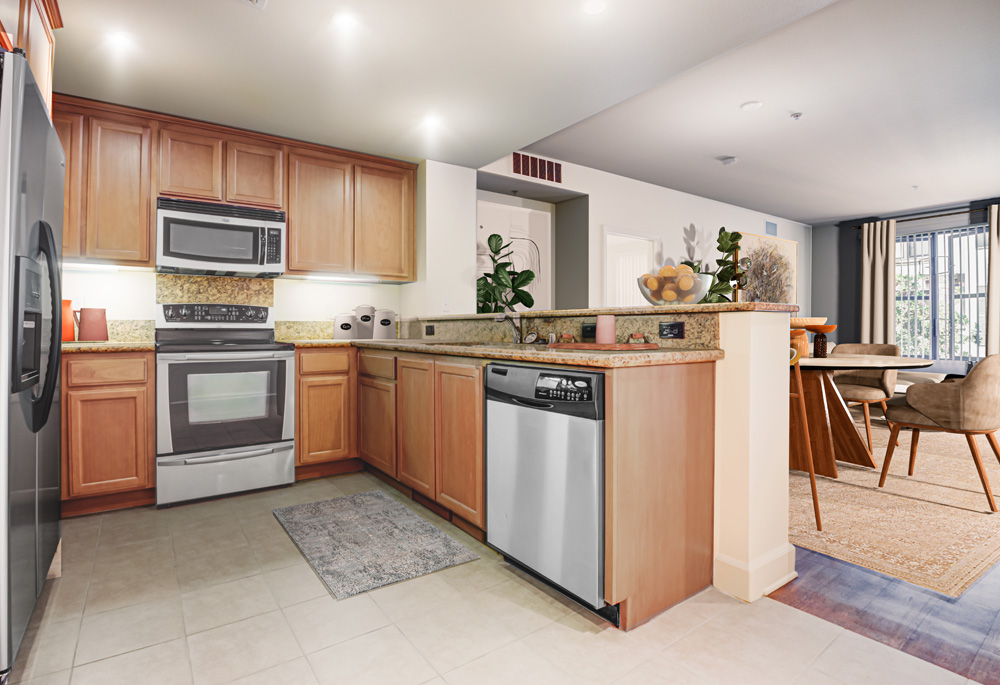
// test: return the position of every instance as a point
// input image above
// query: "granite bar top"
(319, 343)
(108, 346)
(635, 311)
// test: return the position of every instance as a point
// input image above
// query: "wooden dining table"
(833, 434)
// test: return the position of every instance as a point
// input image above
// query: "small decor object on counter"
(803, 321)
(674, 285)
(637, 339)
(819, 341)
(605, 329)
(800, 342)
(385, 324)
(501, 290)
(68, 330)
(93, 324)
(567, 338)
(728, 277)
(345, 327)
(365, 315)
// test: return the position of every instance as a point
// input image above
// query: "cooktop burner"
(225, 340)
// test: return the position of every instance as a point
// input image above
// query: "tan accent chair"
(866, 387)
(970, 406)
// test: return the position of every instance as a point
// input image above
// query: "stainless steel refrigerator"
(32, 176)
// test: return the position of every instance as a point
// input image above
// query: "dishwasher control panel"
(554, 386)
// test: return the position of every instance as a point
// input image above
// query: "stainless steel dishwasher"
(545, 474)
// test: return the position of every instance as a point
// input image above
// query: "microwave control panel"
(272, 250)
(214, 313)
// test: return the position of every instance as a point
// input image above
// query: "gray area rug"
(365, 541)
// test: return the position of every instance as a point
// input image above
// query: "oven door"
(186, 241)
(219, 400)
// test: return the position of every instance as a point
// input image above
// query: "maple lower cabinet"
(190, 164)
(119, 196)
(326, 413)
(69, 127)
(384, 234)
(320, 213)
(415, 424)
(107, 423)
(377, 423)
(254, 173)
(458, 429)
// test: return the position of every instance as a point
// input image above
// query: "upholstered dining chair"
(970, 406)
(863, 386)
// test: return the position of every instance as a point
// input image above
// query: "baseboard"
(118, 500)
(328, 468)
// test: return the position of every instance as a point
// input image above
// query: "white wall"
(446, 243)
(315, 300)
(624, 205)
(125, 294)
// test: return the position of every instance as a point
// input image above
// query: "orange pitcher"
(68, 331)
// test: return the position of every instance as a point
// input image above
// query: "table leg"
(848, 444)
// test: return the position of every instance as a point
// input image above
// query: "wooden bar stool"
(799, 395)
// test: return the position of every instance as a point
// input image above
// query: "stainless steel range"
(225, 402)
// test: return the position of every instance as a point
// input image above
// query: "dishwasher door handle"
(535, 404)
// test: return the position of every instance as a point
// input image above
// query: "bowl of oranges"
(674, 285)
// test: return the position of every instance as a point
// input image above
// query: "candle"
(606, 329)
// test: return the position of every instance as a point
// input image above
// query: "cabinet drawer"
(110, 370)
(377, 364)
(325, 361)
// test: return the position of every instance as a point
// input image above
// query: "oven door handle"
(193, 461)
(223, 356)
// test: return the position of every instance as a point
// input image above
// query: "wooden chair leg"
(885, 413)
(913, 449)
(868, 424)
(982, 472)
(809, 453)
(888, 454)
(992, 437)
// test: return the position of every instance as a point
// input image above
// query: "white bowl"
(693, 295)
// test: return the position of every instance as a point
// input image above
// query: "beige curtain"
(993, 284)
(878, 282)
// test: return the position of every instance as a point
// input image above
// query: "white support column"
(752, 552)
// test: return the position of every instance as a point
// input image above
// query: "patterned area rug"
(364, 541)
(933, 529)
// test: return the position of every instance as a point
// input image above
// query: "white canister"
(385, 324)
(365, 314)
(344, 327)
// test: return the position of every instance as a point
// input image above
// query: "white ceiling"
(894, 94)
(498, 75)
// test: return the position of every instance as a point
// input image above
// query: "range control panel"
(554, 386)
(214, 313)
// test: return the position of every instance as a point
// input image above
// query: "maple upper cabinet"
(326, 413)
(190, 164)
(119, 196)
(459, 439)
(320, 213)
(415, 423)
(69, 127)
(254, 173)
(37, 20)
(384, 235)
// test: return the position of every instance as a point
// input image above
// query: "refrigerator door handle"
(43, 403)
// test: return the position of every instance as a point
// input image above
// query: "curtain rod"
(932, 216)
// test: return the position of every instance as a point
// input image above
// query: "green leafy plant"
(501, 290)
(727, 271)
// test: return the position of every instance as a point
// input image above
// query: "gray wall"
(836, 279)
(571, 246)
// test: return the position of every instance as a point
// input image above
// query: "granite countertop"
(633, 311)
(108, 346)
(318, 343)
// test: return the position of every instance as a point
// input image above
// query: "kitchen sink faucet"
(514, 327)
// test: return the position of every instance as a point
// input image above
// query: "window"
(941, 294)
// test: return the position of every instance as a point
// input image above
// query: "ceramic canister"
(385, 324)
(365, 314)
(344, 327)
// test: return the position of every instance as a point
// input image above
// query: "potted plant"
(500, 290)
(727, 271)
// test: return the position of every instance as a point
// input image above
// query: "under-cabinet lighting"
(103, 268)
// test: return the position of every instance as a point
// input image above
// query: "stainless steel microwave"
(219, 240)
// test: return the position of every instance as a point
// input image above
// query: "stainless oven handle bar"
(224, 356)
(180, 461)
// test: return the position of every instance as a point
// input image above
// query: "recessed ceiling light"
(119, 42)
(345, 21)
(431, 121)
(594, 6)
(751, 105)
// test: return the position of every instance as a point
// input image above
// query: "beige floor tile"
(383, 657)
(415, 596)
(295, 584)
(325, 621)
(475, 576)
(456, 633)
(763, 642)
(135, 559)
(353, 483)
(662, 671)
(710, 602)
(62, 599)
(243, 648)
(278, 552)
(46, 650)
(196, 543)
(811, 676)
(215, 567)
(117, 591)
(853, 658)
(190, 518)
(666, 628)
(138, 527)
(262, 529)
(60, 678)
(513, 663)
(124, 630)
(297, 672)
(162, 664)
(218, 605)
(524, 607)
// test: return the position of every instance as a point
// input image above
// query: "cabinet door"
(110, 448)
(118, 191)
(39, 46)
(459, 437)
(190, 164)
(70, 129)
(383, 222)
(324, 412)
(377, 423)
(320, 214)
(253, 174)
(415, 424)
